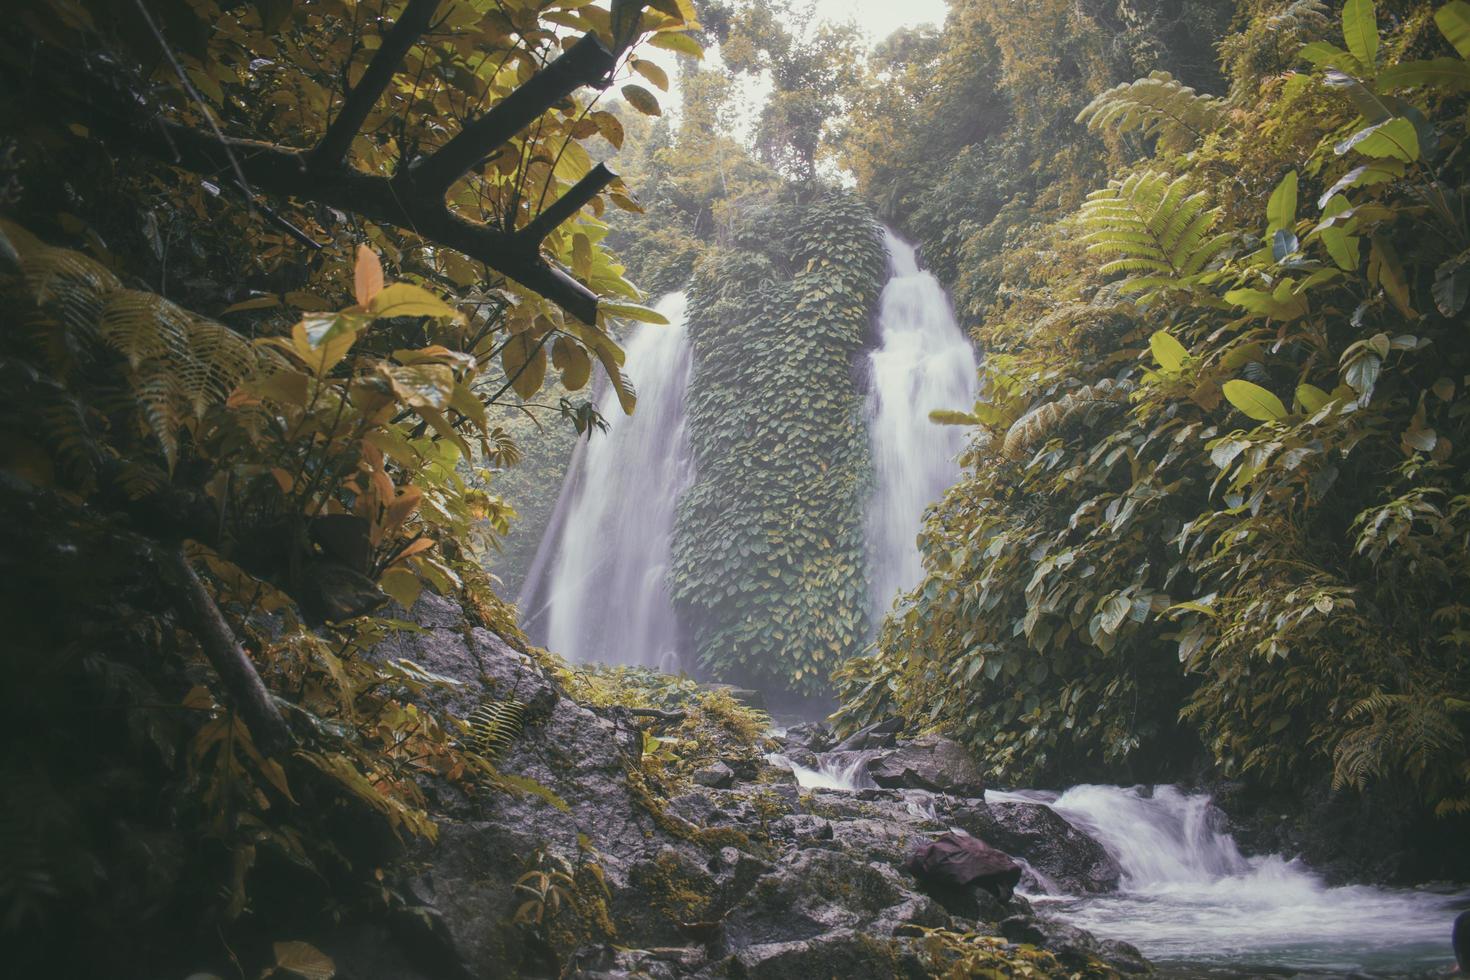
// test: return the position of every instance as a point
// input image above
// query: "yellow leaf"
(1255, 401)
(367, 277)
(652, 72)
(402, 584)
(304, 960)
(406, 299)
(610, 126)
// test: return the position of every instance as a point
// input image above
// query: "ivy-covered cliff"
(768, 568)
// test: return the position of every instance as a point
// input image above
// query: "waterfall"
(605, 595)
(1188, 895)
(923, 361)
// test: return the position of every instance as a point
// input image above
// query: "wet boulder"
(934, 763)
(955, 861)
(1063, 858)
(880, 735)
(813, 736)
(1076, 948)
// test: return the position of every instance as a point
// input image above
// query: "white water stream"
(606, 599)
(1198, 907)
(923, 361)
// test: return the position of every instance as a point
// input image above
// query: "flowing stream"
(1198, 907)
(1190, 898)
(922, 362)
(604, 597)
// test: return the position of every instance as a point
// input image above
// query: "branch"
(228, 658)
(568, 204)
(332, 150)
(588, 62)
(656, 714)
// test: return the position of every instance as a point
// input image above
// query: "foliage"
(956, 956)
(1261, 553)
(768, 571)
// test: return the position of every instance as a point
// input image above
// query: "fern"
(1301, 20)
(179, 365)
(1038, 425)
(1154, 230)
(493, 725)
(1157, 106)
(1399, 733)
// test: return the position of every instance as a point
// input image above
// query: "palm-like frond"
(1158, 105)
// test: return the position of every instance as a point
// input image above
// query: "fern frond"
(1151, 224)
(1158, 105)
(493, 725)
(1041, 422)
(143, 326)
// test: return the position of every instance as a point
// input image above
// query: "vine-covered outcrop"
(1217, 491)
(768, 552)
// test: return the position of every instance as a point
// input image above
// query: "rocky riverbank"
(629, 840)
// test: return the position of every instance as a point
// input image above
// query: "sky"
(881, 18)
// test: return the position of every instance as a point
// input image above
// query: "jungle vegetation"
(1215, 500)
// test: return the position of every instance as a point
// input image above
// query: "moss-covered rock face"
(768, 568)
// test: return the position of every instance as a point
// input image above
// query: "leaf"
(610, 126)
(633, 311)
(572, 360)
(1452, 285)
(421, 385)
(322, 341)
(1254, 401)
(1339, 244)
(273, 14)
(642, 100)
(1281, 209)
(652, 72)
(680, 43)
(1311, 398)
(402, 584)
(948, 416)
(1445, 74)
(1394, 138)
(367, 276)
(1360, 30)
(258, 303)
(304, 960)
(524, 363)
(1363, 175)
(1453, 20)
(1169, 353)
(406, 299)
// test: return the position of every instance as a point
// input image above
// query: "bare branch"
(588, 62)
(568, 204)
(238, 675)
(332, 150)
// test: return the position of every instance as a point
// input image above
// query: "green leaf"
(1170, 353)
(1253, 400)
(1364, 175)
(1281, 210)
(1444, 74)
(1454, 23)
(1311, 398)
(1360, 30)
(1324, 54)
(948, 416)
(642, 99)
(406, 299)
(1394, 138)
(1339, 244)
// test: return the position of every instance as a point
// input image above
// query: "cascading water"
(1189, 896)
(923, 362)
(605, 598)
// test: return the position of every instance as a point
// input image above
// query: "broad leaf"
(1253, 400)
(1169, 352)
(1394, 138)
(1453, 20)
(1281, 209)
(1360, 30)
(406, 299)
(641, 99)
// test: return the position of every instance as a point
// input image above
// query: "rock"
(880, 735)
(813, 736)
(951, 861)
(1075, 947)
(1061, 856)
(845, 953)
(934, 763)
(715, 776)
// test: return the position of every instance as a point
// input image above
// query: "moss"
(713, 837)
(669, 886)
